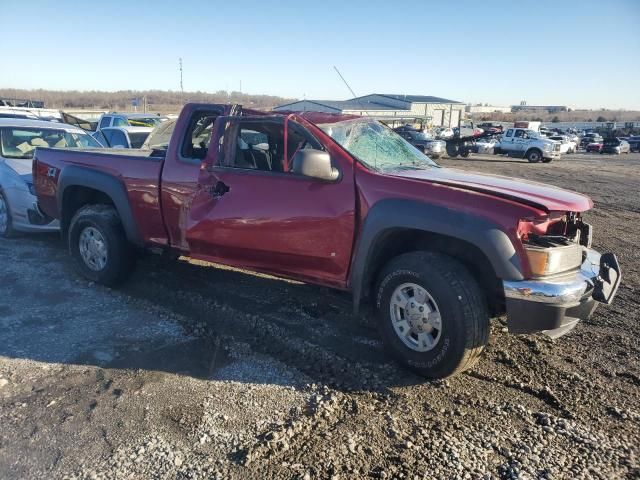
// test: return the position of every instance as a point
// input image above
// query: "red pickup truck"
(344, 202)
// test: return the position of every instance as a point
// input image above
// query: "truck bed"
(110, 152)
(134, 173)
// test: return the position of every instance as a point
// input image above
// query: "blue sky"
(578, 53)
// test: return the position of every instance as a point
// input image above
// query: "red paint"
(294, 227)
(140, 177)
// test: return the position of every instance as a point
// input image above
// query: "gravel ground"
(194, 372)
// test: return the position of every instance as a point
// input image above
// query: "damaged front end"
(566, 277)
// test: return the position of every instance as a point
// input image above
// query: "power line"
(181, 86)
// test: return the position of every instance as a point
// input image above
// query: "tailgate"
(45, 181)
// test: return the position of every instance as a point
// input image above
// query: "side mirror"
(314, 163)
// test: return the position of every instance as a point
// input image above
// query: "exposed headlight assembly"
(552, 260)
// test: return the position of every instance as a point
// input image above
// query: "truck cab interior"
(250, 142)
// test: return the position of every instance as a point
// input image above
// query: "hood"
(538, 195)
(21, 166)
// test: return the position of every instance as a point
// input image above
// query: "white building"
(390, 108)
(471, 109)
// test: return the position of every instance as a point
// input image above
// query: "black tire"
(462, 306)
(546, 160)
(452, 150)
(8, 231)
(534, 155)
(465, 152)
(120, 256)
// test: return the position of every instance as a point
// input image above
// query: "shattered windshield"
(376, 146)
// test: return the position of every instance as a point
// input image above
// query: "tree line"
(157, 100)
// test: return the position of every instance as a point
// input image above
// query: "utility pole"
(181, 86)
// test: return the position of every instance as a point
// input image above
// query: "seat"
(261, 159)
(244, 159)
(38, 142)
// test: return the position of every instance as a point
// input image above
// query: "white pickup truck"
(529, 144)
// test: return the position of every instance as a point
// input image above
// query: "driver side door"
(520, 142)
(252, 212)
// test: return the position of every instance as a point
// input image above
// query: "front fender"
(388, 215)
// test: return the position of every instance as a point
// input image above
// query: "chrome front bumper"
(436, 149)
(555, 305)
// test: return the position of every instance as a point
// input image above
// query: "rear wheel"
(432, 316)
(98, 243)
(6, 228)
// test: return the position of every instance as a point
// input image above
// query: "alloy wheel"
(93, 248)
(415, 317)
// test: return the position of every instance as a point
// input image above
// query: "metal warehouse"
(392, 109)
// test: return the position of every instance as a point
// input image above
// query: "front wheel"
(452, 150)
(98, 243)
(432, 315)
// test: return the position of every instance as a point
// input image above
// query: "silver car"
(18, 140)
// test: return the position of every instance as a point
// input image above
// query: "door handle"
(219, 189)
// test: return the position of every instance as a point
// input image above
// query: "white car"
(19, 139)
(486, 145)
(444, 133)
(566, 145)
